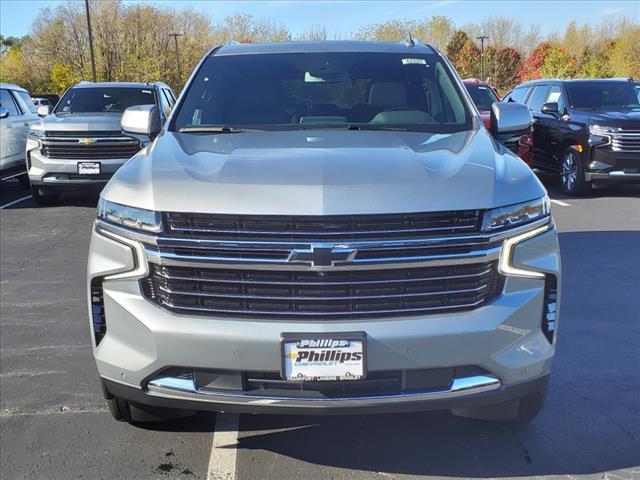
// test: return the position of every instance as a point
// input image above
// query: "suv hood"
(624, 118)
(82, 122)
(323, 172)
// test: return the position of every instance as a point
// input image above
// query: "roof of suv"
(11, 86)
(234, 48)
(576, 80)
(118, 84)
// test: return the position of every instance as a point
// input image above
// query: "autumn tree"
(558, 63)
(464, 54)
(530, 69)
(502, 66)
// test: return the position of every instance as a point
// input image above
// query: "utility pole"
(175, 39)
(93, 60)
(482, 38)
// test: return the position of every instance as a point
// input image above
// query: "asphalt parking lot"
(55, 425)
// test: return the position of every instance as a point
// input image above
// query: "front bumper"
(607, 166)
(504, 338)
(63, 173)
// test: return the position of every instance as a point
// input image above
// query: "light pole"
(93, 60)
(175, 39)
(482, 38)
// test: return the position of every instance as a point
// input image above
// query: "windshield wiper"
(217, 129)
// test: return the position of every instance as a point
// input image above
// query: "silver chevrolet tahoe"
(324, 228)
(80, 144)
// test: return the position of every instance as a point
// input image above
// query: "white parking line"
(224, 448)
(561, 203)
(15, 201)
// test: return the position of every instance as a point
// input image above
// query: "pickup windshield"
(602, 95)
(103, 99)
(482, 96)
(283, 91)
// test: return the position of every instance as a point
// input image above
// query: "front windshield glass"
(324, 90)
(602, 95)
(482, 96)
(104, 99)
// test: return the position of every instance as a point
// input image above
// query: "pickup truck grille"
(326, 295)
(105, 145)
(323, 228)
(626, 141)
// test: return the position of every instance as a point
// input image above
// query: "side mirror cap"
(510, 118)
(4, 113)
(44, 110)
(550, 108)
(141, 121)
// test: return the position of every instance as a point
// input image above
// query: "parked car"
(484, 96)
(17, 113)
(80, 144)
(324, 228)
(588, 131)
(42, 102)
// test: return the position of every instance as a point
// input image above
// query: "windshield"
(602, 95)
(324, 90)
(103, 99)
(482, 96)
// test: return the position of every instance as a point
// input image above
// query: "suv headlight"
(600, 135)
(129, 217)
(516, 215)
(34, 137)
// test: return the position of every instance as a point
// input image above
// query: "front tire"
(44, 198)
(572, 178)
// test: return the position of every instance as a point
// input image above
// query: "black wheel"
(572, 173)
(521, 410)
(44, 198)
(24, 181)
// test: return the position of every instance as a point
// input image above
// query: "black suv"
(587, 130)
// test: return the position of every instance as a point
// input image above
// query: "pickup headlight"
(516, 215)
(129, 217)
(600, 135)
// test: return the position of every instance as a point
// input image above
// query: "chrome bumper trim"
(187, 388)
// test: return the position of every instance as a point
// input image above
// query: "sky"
(343, 17)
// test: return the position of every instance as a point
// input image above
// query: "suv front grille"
(626, 141)
(105, 145)
(322, 228)
(326, 295)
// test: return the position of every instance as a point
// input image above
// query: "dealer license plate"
(323, 357)
(89, 168)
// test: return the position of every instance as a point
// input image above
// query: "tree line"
(132, 43)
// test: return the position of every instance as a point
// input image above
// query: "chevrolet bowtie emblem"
(86, 141)
(321, 256)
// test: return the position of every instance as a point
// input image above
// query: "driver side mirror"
(510, 119)
(4, 113)
(44, 110)
(551, 108)
(141, 122)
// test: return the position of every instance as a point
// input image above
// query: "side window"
(555, 95)
(536, 99)
(170, 99)
(164, 103)
(518, 95)
(24, 99)
(7, 101)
